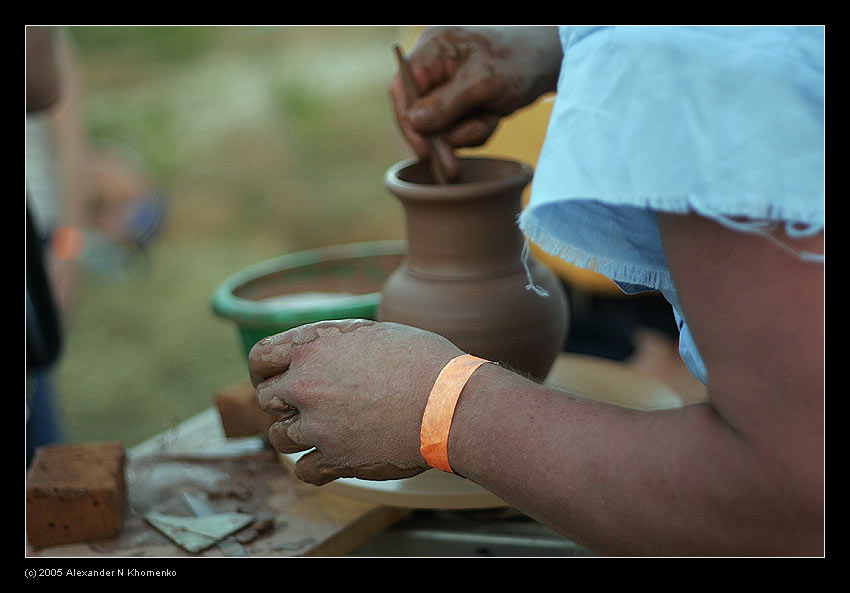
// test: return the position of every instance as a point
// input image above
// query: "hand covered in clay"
(352, 390)
(469, 78)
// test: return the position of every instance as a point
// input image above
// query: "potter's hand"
(469, 78)
(354, 390)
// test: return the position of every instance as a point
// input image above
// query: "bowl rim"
(226, 304)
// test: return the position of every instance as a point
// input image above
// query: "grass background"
(266, 140)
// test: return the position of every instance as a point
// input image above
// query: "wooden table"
(244, 474)
(235, 474)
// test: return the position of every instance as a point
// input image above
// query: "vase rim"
(520, 177)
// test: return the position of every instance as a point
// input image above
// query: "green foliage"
(157, 45)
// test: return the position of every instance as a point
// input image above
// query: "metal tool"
(228, 545)
(196, 534)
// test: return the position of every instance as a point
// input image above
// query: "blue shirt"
(725, 122)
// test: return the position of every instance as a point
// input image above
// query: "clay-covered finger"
(314, 468)
(417, 142)
(474, 131)
(270, 356)
(273, 355)
(272, 396)
(285, 437)
(310, 468)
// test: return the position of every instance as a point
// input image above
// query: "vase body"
(465, 276)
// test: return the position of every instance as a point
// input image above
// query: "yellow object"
(520, 136)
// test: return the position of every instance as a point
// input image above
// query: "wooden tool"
(437, 145)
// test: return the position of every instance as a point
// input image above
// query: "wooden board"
(233, 475)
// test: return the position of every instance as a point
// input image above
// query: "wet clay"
(467, 276)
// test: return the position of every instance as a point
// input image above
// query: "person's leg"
(43, 421)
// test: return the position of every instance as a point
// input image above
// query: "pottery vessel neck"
(466, 229)
(465, 277)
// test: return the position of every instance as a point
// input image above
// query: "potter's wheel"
(433, 489)
(594, 378)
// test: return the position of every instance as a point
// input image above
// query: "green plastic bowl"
(336, 282)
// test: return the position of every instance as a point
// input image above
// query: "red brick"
(241, 415)
(75, 493)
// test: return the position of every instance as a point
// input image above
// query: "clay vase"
(464, 275)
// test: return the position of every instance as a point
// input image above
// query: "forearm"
(620, 481)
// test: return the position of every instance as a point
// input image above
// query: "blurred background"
(233, 145)
(179, 156)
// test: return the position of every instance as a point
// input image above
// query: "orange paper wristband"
(440, 409)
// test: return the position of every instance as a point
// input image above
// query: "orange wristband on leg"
(440, 409)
